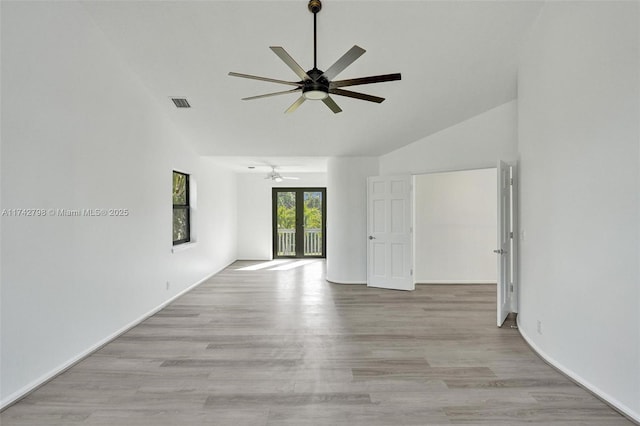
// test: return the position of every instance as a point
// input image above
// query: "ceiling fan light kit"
(316, 84)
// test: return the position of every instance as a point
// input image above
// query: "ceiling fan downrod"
(315, 6)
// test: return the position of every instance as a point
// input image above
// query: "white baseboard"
(25, 390)
(455, 282)
(613, 402)
(418, 282)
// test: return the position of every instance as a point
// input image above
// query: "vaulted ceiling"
(457, 59)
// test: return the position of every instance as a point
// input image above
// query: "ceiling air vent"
(181, 102)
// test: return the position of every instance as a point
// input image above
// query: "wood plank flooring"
(285, 347)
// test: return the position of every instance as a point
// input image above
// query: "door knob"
(371, 237)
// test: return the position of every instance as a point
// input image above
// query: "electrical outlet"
(168, 285)
(539, 327)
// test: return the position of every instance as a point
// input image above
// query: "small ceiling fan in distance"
(316, 84)
(277, 177)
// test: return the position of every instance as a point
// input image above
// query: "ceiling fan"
(277, 177)
(319, 85)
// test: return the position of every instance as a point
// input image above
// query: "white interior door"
(503, 251)
(389, 226)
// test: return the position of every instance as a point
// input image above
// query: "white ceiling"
(262, 165)
(457, 59)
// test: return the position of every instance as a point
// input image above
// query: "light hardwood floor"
(288, 348)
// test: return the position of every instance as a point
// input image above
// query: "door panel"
(397, 260)
(389, 260)
(286, 224)
(378, 216)
(397, 215)
(379, 260)
(378, 187)
(312, 224)
(397, 187)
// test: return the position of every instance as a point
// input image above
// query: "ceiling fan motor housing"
(317, 83)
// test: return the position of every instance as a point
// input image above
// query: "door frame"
(299, 221)
(515, 222)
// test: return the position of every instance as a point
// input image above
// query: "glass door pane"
(312, 225)
(286, 224)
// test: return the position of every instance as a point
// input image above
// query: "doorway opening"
(455, 227)
(299, 222)
(459, 214)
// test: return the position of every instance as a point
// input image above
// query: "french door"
(299, 222)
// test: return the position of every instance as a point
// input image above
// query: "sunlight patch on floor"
(263, 265)
(293, 265)
(278, 265)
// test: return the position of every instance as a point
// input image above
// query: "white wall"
(347, 218)
(579, 144)
(80, 131)
(456, 227)
(254, 211)
(475, 143)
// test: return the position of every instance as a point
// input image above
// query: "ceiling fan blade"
(272, 94)
(287, 59)
(272, 80)
(365, 80)
(332, 105)
(356, 95)
(290, 178)
(295, 105)
(347, 59)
